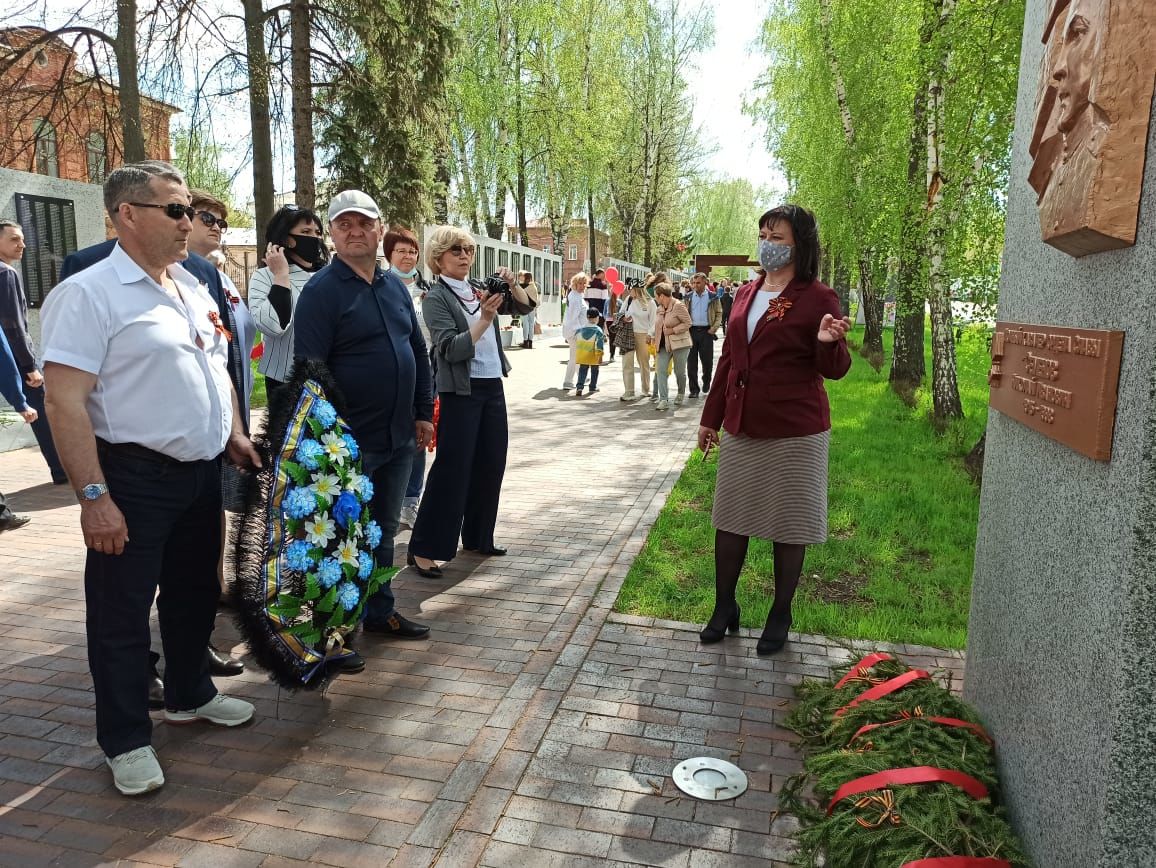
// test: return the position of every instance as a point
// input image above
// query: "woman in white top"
(295, 250)
(574, 320)
(637, 313)
(401, 252)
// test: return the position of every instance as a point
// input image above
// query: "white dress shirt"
(155, 386)
(487, 361)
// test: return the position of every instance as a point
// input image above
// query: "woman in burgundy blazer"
(786, 334)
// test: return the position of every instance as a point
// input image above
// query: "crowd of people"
(146, 386)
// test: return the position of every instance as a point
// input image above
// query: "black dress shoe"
(490, 551)
(709, 635)
(774, 637)
(397, 626)
(156, 692)
(222, 664)
(431, 573)
(347, 665)
(14, 521)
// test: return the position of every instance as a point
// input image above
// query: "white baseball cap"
(353, 200)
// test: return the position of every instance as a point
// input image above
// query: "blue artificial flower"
(308, 452)
(373, 534)
(324, 413)
(299, 503)
(354, 451)
(364, 565)
(329, 573)
(348, 595)
(365, 489)
(346, 509)
(297, 555)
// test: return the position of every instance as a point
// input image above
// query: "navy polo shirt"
(368, 337)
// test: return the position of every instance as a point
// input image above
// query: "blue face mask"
(772, 257)
(404, 275)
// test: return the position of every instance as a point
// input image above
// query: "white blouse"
(641, 314)
(759, 309)
(487, 362)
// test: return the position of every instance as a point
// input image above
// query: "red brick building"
(576, 253)
(59, 120)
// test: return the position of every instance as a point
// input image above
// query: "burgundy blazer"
(773, 386)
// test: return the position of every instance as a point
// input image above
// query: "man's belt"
(134, 450)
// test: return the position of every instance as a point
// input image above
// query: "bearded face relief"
(1093, 108)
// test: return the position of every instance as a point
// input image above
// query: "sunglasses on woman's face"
(210, 220)
(460, 249)
(175, 210)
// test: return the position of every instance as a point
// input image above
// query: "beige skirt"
(773, 488)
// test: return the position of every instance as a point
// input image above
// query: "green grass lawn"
(902, 517)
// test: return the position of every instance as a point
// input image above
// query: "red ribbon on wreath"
(918, 714)
(880, 690)
(958, 862)
(860, 668)
(912, 775)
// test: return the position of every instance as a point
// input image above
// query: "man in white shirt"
(138, 390)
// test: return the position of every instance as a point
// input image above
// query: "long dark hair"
(806, 231)
(288, 216)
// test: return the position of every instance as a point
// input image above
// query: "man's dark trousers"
(701, 347)
(173, 513)
(389, 472)
(35, 397)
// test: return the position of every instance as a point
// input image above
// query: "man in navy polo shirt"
(360, 321)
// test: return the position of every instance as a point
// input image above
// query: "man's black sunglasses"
(209, 219)
(175, 210)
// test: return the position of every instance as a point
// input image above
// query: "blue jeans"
(416, 479)
(389, 472)
(528, 320)
(593, 371)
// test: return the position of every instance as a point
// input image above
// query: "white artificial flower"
(326, 486)
(347, 553)
(321, 530)
(335, 447)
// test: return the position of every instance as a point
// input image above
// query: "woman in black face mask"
(295, 250)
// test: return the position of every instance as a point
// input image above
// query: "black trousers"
(275, 395)
(43, 434)
(173, 513)
(701, 347)
(465, 482)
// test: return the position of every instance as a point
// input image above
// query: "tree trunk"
(441, 206)
(129, 83)
(258, 64)
(591, 232)
(974, 459)
(842, 284)
(872, 304)
(304, 171)
(946, 403)
(907, 363)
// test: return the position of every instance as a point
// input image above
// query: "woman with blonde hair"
(574, 320)
(633, 336)
(526, 281)
(465, 482)
(672, 337)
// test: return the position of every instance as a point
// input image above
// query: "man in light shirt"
(705, 321)
(135, 358)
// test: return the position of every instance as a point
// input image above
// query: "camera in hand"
(492, 285)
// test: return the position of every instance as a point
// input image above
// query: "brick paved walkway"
(535, 728)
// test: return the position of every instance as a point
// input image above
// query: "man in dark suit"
(219, 664)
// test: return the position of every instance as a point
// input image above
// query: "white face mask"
(772, 257)
(404, 275)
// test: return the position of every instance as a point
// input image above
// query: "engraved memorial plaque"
(1059, 381)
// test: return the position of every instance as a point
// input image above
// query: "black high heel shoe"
(709, 635)
(431, 573)
(773, 639)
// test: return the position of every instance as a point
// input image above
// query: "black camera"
(492, 285)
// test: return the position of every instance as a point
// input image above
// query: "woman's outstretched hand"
(832, 330)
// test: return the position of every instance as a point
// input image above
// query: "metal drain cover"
(711, 779)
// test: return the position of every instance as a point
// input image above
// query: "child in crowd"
(591, 340)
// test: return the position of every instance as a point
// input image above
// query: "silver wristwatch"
(92, 491)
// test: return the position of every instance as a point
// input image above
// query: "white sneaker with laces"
(678, 399)
(221, 710)
(662, 405)
(408, 516)
(136, 771)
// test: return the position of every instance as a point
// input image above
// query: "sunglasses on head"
(210, 220)
(175, 210)
(459, 249)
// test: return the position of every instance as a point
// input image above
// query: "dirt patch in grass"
(843, 588)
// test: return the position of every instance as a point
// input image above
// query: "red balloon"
(612, 275)
(618, 288)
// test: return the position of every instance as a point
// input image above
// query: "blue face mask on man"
(773, 256)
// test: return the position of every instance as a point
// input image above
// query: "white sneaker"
(628, 397)
(136, 771)
(221, 710)
(678, 399)
(408, 516)
(662, 405)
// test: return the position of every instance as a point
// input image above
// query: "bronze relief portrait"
(1093, 109)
